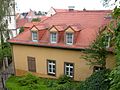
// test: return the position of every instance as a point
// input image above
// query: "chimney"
(84, 9)
(71, 8)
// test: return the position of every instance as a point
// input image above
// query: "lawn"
(29, 81)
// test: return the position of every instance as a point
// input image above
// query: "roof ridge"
(49, 18)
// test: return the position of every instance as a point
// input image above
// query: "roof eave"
(47, 46)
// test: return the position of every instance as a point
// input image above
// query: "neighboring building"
(53, 47)
(31, 15)
(53, 11)
(12, 22)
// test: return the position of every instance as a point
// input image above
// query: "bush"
(50, 83)
(66, 86)
(21, 30)
(64, 79)
(97, 81)
(30, 81)
(36, 20)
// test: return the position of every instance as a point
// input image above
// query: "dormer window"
(53, 37)
(69, 38)
(34, 36)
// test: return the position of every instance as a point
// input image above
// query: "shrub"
(66, 86)
(21, 30)
(36, 20)
(30, 81)
(50, 83)
(97, 81)
(64, 79)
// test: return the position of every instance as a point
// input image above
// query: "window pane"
(53, 66)
(50, 70)
(50, 66)
(67, 73)
(67, 69)
(71, 69)
(53, 70)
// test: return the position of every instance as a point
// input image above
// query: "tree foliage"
(115, 74)
(21, 30)
(6, 7)
(97, 81)
(97, 53)
(36, 20)
(115, 24)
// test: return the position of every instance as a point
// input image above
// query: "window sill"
(51, 74)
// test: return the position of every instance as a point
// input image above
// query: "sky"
(44, 5)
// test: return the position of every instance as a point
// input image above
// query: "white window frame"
(108, 41)
(52, 37)
(33, 38)
(68, 39)
(69, 67)
(97, 68)
(51, 63)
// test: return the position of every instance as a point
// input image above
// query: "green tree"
(115, 24)
(97, 53)
(6, 7)
(36, 20)
(97, 81)
(21, 30)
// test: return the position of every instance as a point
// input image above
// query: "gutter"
(46, 46)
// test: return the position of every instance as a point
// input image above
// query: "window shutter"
(31, 64)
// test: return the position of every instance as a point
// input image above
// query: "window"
(69, 69)
(51, 67)
(31, 64)
(108, 38)
(97, 68)
(34, 36)
(53, 37)
(69, 38)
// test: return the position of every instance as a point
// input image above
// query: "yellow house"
(53, 48)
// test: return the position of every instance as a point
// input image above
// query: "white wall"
(50, 12)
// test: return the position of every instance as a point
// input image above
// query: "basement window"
(97, 68)
(108, 38)
(34, 36)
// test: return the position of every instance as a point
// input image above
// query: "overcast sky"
(44, 5)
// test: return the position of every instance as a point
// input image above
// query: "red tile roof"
(84, 18)
(85, 25)
(42, 18)
(21, 22)
(30, 24)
